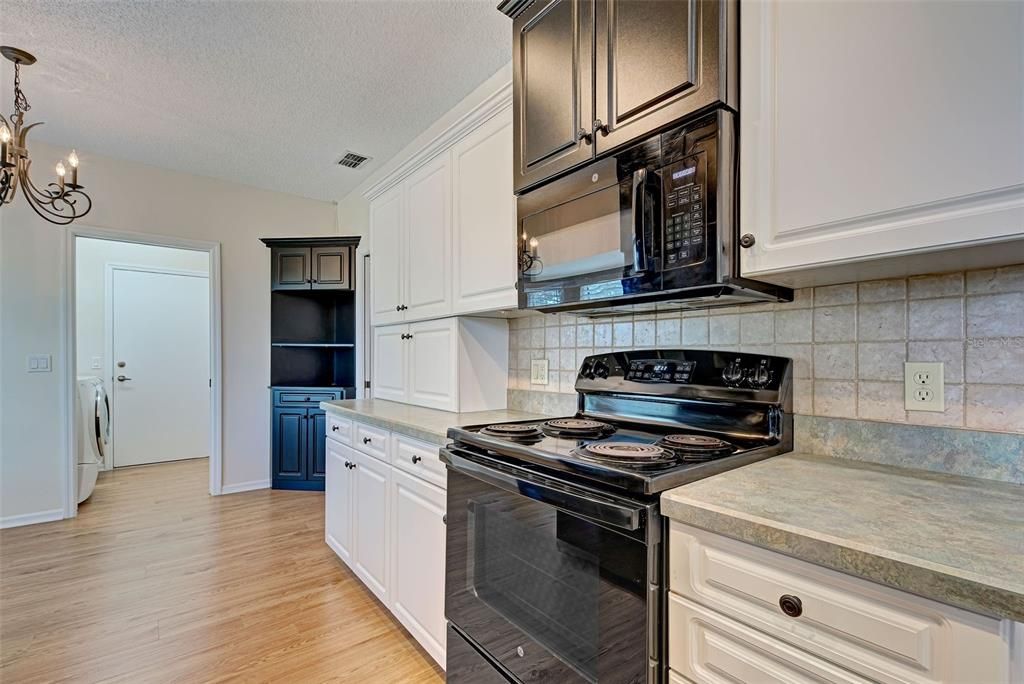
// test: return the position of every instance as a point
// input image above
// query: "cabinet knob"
(747, 240)
(584, 136)
(334, 428)
(791, 605)
(416, 459)
(601, 128)
(309, 280)
(366, 440)
(398, 307)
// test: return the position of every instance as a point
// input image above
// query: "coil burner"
(577, 428)
(696, 448)
(516, 432)
(627, 454)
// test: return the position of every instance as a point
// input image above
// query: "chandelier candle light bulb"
(73, 161)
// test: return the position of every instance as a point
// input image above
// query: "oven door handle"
(574, 500)
(639, 221)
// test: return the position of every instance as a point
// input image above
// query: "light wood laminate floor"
(156, 581)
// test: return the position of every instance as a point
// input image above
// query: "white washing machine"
(94, 435)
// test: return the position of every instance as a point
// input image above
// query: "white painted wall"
(137, 198)
(92, 257)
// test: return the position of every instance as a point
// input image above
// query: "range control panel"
(685, 232)
(660, 370)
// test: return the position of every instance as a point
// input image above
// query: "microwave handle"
(639, 227)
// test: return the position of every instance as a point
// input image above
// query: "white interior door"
(160, 348)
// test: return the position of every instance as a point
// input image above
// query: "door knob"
(122, 378)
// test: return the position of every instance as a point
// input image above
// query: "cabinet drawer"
(875, 631)
(300, 397)
(339, 429)
(705, 646)
(420, 459)
(371, 440)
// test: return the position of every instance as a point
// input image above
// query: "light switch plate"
(539, 372)
(924, 387)
(97, 363)
(39, 363)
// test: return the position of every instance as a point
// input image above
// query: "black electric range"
(555, 545)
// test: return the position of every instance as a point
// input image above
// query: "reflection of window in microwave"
(544, 297)
(609, 288)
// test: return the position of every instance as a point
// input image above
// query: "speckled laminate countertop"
(957, 540)
(429, 425)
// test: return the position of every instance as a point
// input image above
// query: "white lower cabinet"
(385, 518)
(417, 567)
(740, 613)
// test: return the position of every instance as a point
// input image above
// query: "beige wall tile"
(793, 325)
(947, 285)
(602, 334)
(568, 336)
(882, 291)
(836, 399)
(835, 294)
(936, 319)
(667, 332)
(644, 333)
(694, 332)
(622, 334)
(585, 334)
(835, 324)
(995, 407)
(803, 396)
(835, 361)
(881, 360)
(724, 330)
(757, 328)
(953, 416)
(803, 358)
(883, 321)
(881, 401)
(991, 280)
(997, 315)
(948, 352)
(998, 361)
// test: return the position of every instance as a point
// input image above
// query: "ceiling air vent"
(353, 160)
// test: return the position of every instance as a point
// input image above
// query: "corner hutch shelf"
(312, 349)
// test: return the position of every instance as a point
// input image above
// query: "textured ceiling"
(264, 93)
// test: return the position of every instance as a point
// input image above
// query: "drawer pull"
(366, 440)
(416, 459)
(334, 428)
(791, 605)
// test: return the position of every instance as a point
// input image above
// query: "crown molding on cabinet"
(493, 104)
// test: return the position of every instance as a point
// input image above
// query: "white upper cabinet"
(443, 223)
(867, 133)
(484, 219)
(386, 218)
(427, 242)
(390, 360)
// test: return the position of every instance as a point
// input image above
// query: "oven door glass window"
(552, 596)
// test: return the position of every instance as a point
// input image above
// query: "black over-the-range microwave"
(653, 226)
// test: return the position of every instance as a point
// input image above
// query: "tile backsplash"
(848, 343)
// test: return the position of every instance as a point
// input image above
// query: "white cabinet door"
(427, 240)
(390, 360)
(417, 577)
(484, 219)
(372, 481)
(867, 134)
(432, 379)
(338, 500)
(387, 255)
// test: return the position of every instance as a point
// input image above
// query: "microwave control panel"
(684, 240)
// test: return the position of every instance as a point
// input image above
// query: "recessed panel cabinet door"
(291, 268)
(289, 452)
(433, 364)
(552, 54)
(338, 494)
(316, 432)
(654, 62)
(390, 359)
(331, 268)
(427, 240)
(387, 255)
(864, 137)
(372, 534)
(417, 578)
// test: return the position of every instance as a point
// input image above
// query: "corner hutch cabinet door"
(289, 449)
(552, 88)
(372, 484)
(316, 438)
(417, 561)
(290, 269)
(427, 241)
(651, 63)
(338, 500)
(386, 261)
(433, 364)
(331, 268)
(484, 219)
(851, 154)
(390, 360)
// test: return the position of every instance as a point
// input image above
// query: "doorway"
(143, 335)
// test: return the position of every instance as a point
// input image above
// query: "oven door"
(581, 245)
(555, 582)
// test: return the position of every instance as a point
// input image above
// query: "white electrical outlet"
(924, 387)
(539, 372)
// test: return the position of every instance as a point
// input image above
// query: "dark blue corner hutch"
(312, 350)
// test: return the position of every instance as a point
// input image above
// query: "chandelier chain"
(20, 101)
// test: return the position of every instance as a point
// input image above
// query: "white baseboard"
(32, 518)
(245, 486)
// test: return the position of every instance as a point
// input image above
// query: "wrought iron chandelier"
(61, 201)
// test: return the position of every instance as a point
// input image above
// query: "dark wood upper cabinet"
(290, 269)
(331, 268)
(591, 76)
(553, 96)
(655, 62)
